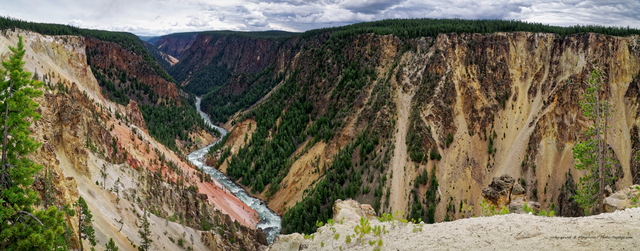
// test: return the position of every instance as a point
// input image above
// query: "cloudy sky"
(158, 17)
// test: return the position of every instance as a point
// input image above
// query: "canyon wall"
(101, 150)
(464, 108)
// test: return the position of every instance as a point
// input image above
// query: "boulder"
(499, 190)
(351, 210)
(135, 115)
(623, 199)
(517, 189)
(518, 202)
(293, 241)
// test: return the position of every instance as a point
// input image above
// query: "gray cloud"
(369, 6)
(150, 17)
(586, 12)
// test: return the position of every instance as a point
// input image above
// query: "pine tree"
(85, 228)
(111, 245)
(145, 232)
(592, 154)
(21, 226)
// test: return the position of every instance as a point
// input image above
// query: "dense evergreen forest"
(426, 27)
(200, 81)
(169, 122)
(227, 104)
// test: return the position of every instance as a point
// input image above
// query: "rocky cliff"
(211, 59)
(421, 125)
(111, 59)
(101, 150)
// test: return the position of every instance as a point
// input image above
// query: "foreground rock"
(513, 231)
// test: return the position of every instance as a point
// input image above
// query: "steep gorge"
(415, 125)
(103, 151)
(473, 106)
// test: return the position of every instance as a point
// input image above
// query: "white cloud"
(149, 17)
(76, 23)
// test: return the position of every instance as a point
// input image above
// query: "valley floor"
(619, 230)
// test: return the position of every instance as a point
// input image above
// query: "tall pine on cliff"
(22, 227)
(592, 153)
(85, 227)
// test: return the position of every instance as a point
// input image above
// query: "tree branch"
(27, 214)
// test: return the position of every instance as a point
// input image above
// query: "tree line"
(427, 27)
(126, 40)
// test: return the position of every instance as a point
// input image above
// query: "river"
(270, 222)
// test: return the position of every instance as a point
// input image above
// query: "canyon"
(101, 150)
(476, 106)
(415, 123)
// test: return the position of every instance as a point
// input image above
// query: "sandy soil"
(618, 231)
(229, 204)
(398, 197)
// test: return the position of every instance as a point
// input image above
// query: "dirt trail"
(398, 197)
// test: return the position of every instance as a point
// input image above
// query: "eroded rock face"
(623, 199)
(106, 56)
(505, 192)
(134, 114)
(499, 190)
(209, 60)
(516, 92)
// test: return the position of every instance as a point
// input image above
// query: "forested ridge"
(215, 80)
(427, 27)
(127, 40)
(272, 34)
(167, 120)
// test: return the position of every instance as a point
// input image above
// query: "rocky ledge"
(354, 227)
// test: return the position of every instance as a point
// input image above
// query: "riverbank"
(240, 203)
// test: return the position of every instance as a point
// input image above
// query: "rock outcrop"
(500, 190)
(627, 197)
(135, 116)
(505, 192)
